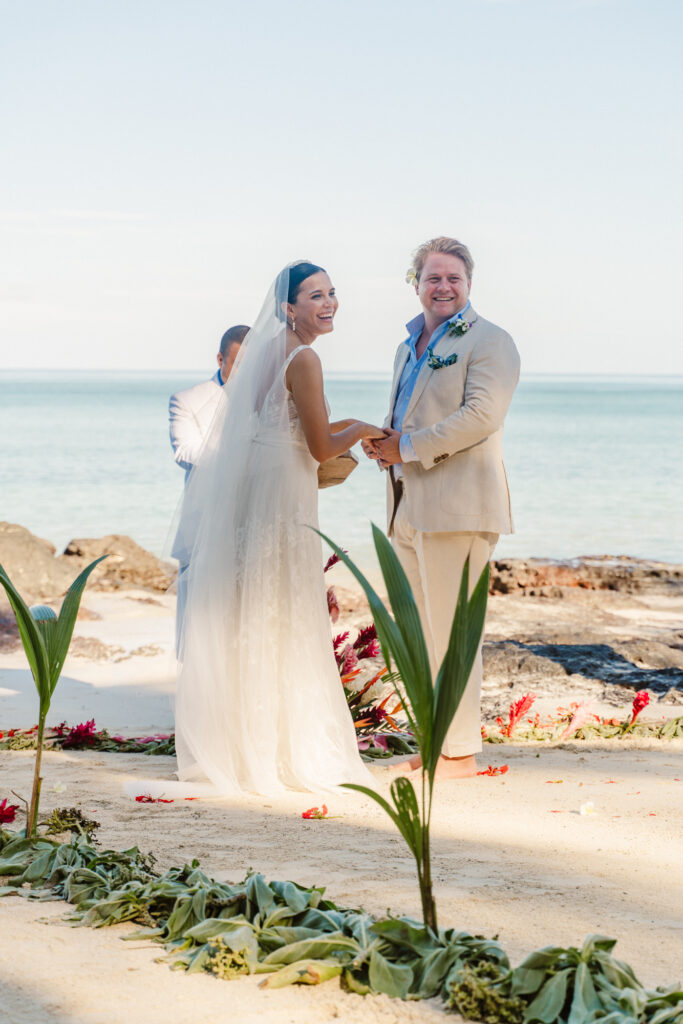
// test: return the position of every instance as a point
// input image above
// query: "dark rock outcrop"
(535, 577)
(613, 664)
(31, 565)
(127, 564)
(38, 575)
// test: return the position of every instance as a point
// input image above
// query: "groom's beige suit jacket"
(455, 421)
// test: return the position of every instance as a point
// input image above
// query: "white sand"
(512, 854)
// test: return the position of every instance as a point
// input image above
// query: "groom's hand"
(387, 448)
(369, 449)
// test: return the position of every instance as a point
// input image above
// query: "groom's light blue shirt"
(411, 372)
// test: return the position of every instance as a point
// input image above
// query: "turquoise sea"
(594, 463)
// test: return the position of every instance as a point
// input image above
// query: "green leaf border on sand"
(227, 929)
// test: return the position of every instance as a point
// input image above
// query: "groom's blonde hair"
(443, 244)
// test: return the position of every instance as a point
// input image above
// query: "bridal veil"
(259, 705)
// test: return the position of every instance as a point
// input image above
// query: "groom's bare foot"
(447, 767)
(405, 767)
(456, 767)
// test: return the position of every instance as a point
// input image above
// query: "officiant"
(190, 411)
(190, 414)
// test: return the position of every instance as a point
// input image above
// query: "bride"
(260, 706)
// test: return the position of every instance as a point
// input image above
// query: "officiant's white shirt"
(190, 414)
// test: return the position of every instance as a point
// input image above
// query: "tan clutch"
(335, 471)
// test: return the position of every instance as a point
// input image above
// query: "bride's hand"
(371, 432)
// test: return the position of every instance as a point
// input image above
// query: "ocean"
(594, 463)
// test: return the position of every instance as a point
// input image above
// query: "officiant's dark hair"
(289, 282)
(233, 334)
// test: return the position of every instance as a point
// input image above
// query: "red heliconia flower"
(364, 637)
(518, 709)
(339, 639)
(374, 716)
(315, 812)
(82, 735)
(8, 812)
(640, 701)
(370, 650)
(349, 660)
(332, 560)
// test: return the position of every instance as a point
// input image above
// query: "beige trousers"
(433, 563)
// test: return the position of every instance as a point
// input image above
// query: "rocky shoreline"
(599, 627)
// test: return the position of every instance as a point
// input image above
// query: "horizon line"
(166, 372)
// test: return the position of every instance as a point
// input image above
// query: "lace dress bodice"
(268, 425)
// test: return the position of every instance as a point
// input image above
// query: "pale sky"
(161, 160)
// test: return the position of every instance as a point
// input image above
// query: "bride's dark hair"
(289, 282)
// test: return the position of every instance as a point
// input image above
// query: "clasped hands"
(384, 450)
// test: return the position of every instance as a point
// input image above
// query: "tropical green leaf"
(433, 968)
(321, 920)
(406, 934)
(283, 935)
(596, 942)
(405, 801)
(67, 620)
(260, 896)
(34, 645)
(393, 979)
(616, 972)
(315, 949)
(388, 633)
(585, 999)
(354, 984)
(296, 899)
(463, 644)
(417, 678)
(548, 1004)
(672, 1014)
(304, 972)
(451, 679)
(237, 936)
(476, 615)
(404, 825)
(543, 958)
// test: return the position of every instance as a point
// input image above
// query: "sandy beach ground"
(513, 854)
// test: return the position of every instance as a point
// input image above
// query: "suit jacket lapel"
(444, 346)
(401, 360)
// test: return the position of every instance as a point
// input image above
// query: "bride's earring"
(291, 323)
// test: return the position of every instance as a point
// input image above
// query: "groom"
(454, 377)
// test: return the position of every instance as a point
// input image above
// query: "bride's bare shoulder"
(302, 354)
(304, 362)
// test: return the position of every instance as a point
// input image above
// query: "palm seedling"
(46, 638)
(429, 706)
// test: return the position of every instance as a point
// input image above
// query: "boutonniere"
(438, 363)
(458, 327)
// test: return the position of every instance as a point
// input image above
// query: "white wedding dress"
(259, 706)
